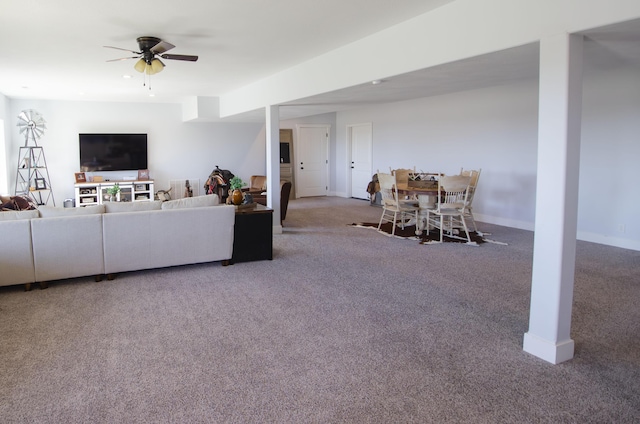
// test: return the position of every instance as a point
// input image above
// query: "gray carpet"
(344, 325)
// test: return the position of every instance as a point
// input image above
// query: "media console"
(130, 191)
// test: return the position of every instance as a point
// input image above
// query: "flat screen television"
(113, 152)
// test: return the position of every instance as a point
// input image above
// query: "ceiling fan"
(151, 48)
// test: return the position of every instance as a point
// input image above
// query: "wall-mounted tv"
(113, 152)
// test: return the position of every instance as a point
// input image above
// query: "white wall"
(496, 129)
(5, 136)
(610, 158)
(177, 150)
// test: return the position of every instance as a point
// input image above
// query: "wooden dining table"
(427, 198)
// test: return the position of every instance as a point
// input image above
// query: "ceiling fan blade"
(186, 57)
(123, 58)
(161, 47)
(118, 48)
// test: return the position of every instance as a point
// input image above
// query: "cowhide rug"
(409, 232)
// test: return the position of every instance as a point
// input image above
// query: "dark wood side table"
(253, 234)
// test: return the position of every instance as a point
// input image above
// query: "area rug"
(409, 233)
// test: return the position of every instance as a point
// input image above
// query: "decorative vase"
(237, 197)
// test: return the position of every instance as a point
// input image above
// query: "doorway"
(359, 138)
(312, 160)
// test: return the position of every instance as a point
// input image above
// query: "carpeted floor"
(343, 326)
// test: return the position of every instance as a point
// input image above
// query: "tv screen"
(113, 152)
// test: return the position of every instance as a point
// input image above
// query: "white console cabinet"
(130, 191)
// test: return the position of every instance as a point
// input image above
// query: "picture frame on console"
(80, 177)
(143, 174)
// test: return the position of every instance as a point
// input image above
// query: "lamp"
(140, 65)
(150, 68)
(156, 67)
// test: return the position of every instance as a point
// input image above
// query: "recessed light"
(127, 76)
(376, 82)
(152, 95)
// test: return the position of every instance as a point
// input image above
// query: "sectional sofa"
(57, 243)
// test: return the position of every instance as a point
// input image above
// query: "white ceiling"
(54, 49)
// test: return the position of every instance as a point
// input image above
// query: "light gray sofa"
(58, 243)
(16, 254)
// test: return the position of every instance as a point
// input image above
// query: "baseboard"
(547, 350)
(609, 241)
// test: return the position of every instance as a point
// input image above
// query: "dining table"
(427, 194)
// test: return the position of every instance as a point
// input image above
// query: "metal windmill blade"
(32, 125)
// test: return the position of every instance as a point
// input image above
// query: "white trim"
(548, 351)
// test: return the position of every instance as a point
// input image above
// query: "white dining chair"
(449, 213)
(475, 176)
(394, 210)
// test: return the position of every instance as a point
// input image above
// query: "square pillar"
(273, 164)
(559, 121)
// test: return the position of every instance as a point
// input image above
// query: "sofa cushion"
(192, 202)
(16, 215)
(112, 207)
(50, 211)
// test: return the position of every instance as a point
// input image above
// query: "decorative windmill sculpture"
(32, 177)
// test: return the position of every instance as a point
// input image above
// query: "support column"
(559, 118)
(273, 164)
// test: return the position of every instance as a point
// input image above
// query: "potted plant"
(113, 192)
(235, 185)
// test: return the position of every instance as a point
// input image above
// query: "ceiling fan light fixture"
(140, 65)
(157, 66)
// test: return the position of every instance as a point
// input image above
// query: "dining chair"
(449, 213)
(475, 176)
(402, 178)
(402, 175)
(257, 183)
(394, 210)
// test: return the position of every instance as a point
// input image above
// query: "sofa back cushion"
(112, 207)
(50, 211)
(16, 215)
(192, 202)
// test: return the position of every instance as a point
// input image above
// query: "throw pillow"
(192, 202)
(19, 203)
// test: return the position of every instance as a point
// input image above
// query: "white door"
(361, 157)
(312, 160)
